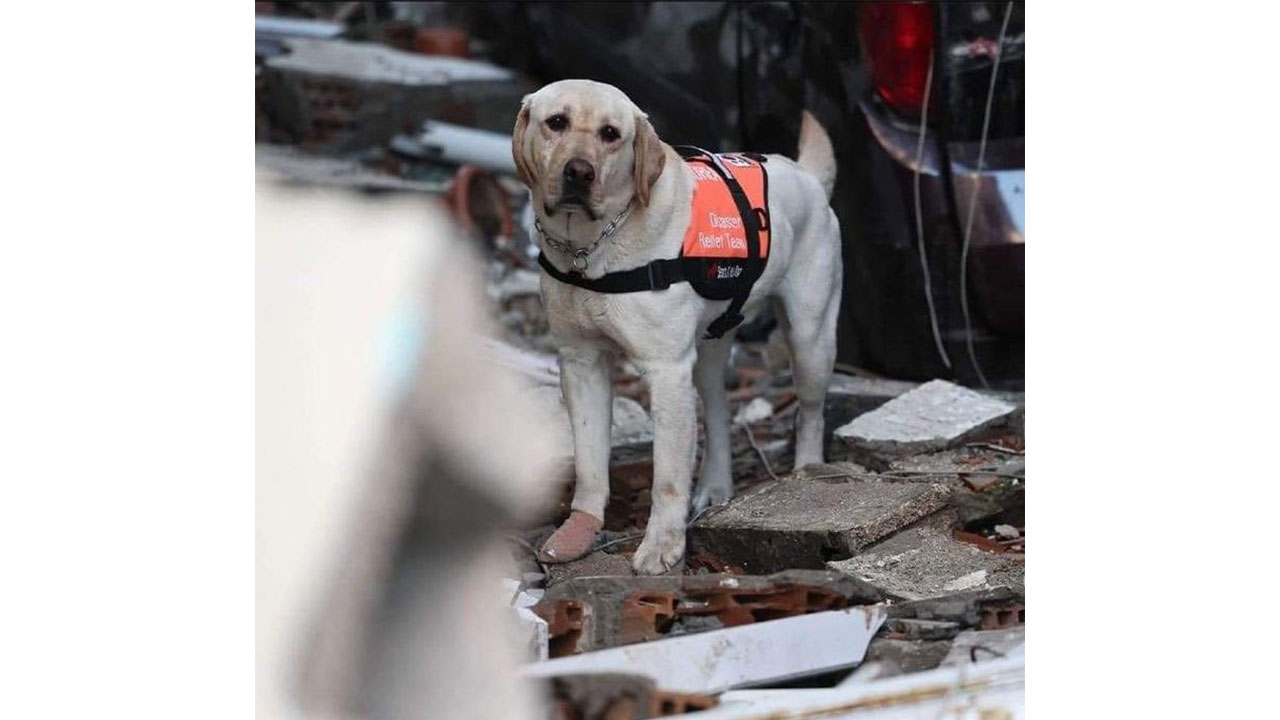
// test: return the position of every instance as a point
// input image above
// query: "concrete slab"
(932, 417)
(849, 396)
(925, 561)
(797, 523)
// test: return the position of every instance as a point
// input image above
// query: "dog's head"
(583, 146)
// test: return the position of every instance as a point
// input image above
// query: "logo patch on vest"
(716, 271)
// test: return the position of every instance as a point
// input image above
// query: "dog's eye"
(558, 122)
(609, 133)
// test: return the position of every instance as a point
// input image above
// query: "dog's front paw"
(659, 552)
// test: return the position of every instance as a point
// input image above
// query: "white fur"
(661, 332)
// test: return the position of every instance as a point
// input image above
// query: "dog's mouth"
(571, 204)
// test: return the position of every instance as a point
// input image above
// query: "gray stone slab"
(925, 561)
(803, 523)
(932, 417)
(849, 396)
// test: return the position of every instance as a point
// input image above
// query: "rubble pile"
(902, 554)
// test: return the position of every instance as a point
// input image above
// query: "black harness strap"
(661, 274)
(657, 275)
(732, 316)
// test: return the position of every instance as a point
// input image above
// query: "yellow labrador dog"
(609, 195)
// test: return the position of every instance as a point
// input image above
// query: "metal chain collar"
(580, 255)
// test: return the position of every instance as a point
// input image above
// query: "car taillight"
(897, 38)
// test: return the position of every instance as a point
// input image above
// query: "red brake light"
(897, 38)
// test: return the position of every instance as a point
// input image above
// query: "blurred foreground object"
(391, 452)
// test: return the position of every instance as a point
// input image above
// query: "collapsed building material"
(890, 656)
(623, 610)
(927, 561)
(798, 523)
(717, 660)
(849, 396)
(531, 631)
(991, 689)
(565, 620)
(985, 609)
(977, 645)
(342, 96)
(934, 416)
(617, 696)
(911, 629)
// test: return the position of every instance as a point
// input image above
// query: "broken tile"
(934, 416)
(803, 523)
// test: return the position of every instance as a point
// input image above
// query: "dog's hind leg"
(715, 483)
(812, 304)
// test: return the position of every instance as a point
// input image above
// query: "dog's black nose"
(578, 172)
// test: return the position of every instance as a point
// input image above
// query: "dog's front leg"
(674, 445)
(588, 393)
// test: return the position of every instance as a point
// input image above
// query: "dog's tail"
(816, 154)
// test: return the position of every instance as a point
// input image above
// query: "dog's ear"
(649, 159)
(524, 167)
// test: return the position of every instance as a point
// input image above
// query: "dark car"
(942, 187)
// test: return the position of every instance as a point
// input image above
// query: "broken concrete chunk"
(753, 412)
(985, 609)
(617, 696)
(934, 416)
(803, 523)
(926, 561)
(893, 656)
(1008, 532)
(342, 96)
(911, 629)
(849, 396)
